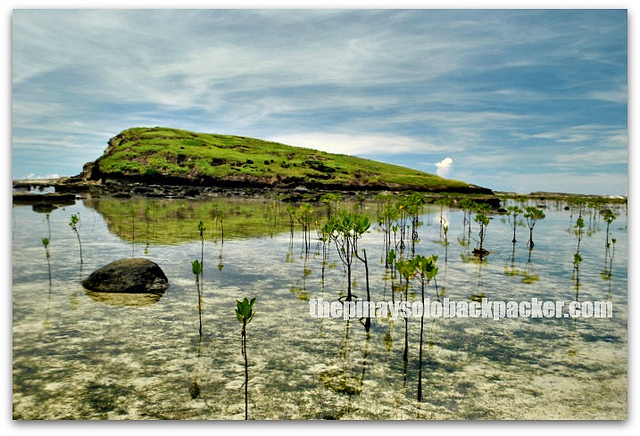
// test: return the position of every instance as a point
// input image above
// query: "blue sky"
(514, 100)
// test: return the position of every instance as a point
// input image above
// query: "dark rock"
(479, 252)
(52, 199)
(44, 208)
(128, 275)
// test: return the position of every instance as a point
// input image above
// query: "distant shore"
(63, 191)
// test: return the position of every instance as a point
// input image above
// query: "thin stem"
(246, 370)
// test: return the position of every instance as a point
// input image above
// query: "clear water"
(78, 355)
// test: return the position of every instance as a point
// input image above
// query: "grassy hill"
(161, 154)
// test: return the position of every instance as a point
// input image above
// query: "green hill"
(164, 155)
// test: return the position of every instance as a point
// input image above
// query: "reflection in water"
(345, 377)
(123, 299)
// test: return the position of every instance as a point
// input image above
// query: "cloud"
(356, 144)
(444, 166)
(32, 176)
(389, 84)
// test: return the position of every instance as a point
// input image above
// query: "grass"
(162, 151)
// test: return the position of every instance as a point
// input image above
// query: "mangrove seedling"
(303, 214)
(345, 229)
(578, 231)
(613, 252)
(391, 260)
(409, 208)
(426, 266)
(196, 268)
(331, 199)
(45, 243)
(74, 220)
(532, 215)
(407, 269)
(483, 222)
(608, 217)
(467, 207)
(363, 259)
(386, 219)
(513, 212)
(245, 313)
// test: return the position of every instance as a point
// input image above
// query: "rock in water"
(128, 275)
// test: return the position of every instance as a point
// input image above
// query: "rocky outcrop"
(136, 275)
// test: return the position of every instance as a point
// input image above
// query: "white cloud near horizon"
(444, 167)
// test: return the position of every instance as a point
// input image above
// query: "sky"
(513, 100)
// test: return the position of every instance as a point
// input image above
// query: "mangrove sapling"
(386, 220)
(578, 231)
(483, 222)
(245, 314)
(196, 268)
(409, 208)
(609, 252)
(324, 239)
(609, 217)
(363, 259)
(427, 269)
(331, 199)
(407, 269)
(45, 243)
(513, 212)
(345, 229)
(442, 202)
(532, 215)
(613, 252)
(303, 214)
(577, 257)
(74, 220)
(467, 207)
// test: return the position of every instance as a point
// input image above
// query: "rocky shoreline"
(67, 189)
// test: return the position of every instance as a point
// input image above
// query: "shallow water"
(79, 355)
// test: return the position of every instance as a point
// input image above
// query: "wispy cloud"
(359, 144)
(403, 86)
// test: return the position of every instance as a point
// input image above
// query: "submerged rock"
(129, 276)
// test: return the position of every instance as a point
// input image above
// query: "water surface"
(81, 355)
